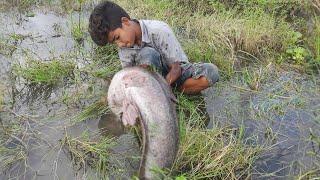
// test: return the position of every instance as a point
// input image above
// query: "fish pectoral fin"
(130, 113)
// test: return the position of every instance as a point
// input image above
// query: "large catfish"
(137, 95)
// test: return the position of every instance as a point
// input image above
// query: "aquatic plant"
(95, 109)
(92, 153)
(50, 72)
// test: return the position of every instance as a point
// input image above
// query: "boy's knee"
(149, 56)
(212, 73)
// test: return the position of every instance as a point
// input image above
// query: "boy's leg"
(194, 86)
(198, 77)
(150, 57)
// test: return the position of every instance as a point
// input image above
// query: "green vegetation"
(214, 154)
(217, 153)
(9, 45)
(234, 33)
(77, 32)
(92, 111)
(85, 152)
(12, 147)
(105, 62)
(10, 156)
(2, 89)
(51, 72)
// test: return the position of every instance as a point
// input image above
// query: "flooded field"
(283, 116)
(48, 131)
(37, 118)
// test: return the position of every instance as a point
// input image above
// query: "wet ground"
(283, 116)
(42, 114)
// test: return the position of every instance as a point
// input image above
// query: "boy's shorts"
(197, 70)
(151, 57)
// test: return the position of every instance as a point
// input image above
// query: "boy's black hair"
(104, 18)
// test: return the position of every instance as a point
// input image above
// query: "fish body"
(139, 96)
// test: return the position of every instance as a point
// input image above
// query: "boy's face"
(124, 36)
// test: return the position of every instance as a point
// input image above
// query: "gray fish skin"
(140, 96)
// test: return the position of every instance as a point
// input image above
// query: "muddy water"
(40, 111)
(283, 117)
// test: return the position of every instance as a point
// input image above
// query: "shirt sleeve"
(168, 45)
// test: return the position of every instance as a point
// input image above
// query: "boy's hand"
(144, 65)
(174, 73)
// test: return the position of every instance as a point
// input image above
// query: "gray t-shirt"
(158, 35)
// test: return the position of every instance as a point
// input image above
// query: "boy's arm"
(172, 53)
(174, 73)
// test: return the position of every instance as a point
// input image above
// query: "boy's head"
(105, 18)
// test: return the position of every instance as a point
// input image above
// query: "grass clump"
(191, 112)
(10, 156)
(209, 153)
(77, 32)
(21, 5)
(214, 154)
(50, 73)
(95, 109)
(105, 62)
(13, 149)
(313, 43)
(9, 45)
(84, 152)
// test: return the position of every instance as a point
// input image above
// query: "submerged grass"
(93, 153)
(50, 73)
(13, 148)
(10, 156)
(94, 110)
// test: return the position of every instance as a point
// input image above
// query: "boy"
(149, 43)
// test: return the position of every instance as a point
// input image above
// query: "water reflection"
(109, 125)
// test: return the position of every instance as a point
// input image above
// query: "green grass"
(50, 73)
(9, 43)
(215, 31)
(208, 153)
(313, 43)
(214, 154)
(21, 5)
(2, 90)
(85, 152)
(105, 62)
(233, 34)
(77, 32)
(13, 149)
(11, 156)
(94, 110)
